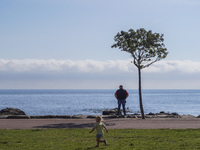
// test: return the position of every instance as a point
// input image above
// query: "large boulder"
(109, 112)
(12, 111)
(79, 117)
(114, 111)
(163, 114)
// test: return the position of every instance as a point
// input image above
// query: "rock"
(173, 116)
(138, 116)
(46, 116)
(12, 111)
(121, 116)
(79, 117)
(62, 116)
(187, 116)
(162, 112)
(91, 116)
(150, 116)
(109, 112)
(3, 117)
(162, 116)
(109, 116)
(113, 111)
(18, 117)
(131, 116)
(151, 113)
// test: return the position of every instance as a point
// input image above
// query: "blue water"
(92, 102)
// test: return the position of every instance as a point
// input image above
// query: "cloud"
(93, 66)
(84, 66)
(33, 73)
(187, 66)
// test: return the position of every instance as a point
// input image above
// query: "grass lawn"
(80, 139)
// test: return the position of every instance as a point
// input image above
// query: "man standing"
(121, 95)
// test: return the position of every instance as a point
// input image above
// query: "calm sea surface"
(92, 102)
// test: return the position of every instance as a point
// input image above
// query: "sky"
(66, 44)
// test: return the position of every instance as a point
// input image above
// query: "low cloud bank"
(93, 66)
(92, 74)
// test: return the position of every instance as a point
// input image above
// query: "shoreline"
(14, 113)
(147, 116)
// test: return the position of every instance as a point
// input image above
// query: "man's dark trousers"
(121, 102)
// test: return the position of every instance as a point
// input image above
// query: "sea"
(92, 102)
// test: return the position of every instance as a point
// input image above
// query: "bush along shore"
(13, 113)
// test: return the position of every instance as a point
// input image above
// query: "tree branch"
(147, 65)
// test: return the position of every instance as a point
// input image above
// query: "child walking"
(99, 130)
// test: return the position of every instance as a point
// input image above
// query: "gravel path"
(122, 123)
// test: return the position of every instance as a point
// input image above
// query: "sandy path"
(123, 123)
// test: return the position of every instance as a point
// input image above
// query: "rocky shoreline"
(12, 113)
(92, 116)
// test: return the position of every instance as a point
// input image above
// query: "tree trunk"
(140, 94)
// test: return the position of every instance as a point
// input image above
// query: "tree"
(145, 47)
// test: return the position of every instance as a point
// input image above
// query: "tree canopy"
(145, 47)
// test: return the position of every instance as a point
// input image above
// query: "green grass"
(80, 139)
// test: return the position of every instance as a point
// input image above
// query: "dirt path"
(123, 123)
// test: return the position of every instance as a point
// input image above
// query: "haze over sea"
(92, 102)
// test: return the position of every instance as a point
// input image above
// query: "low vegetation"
(80, 139)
